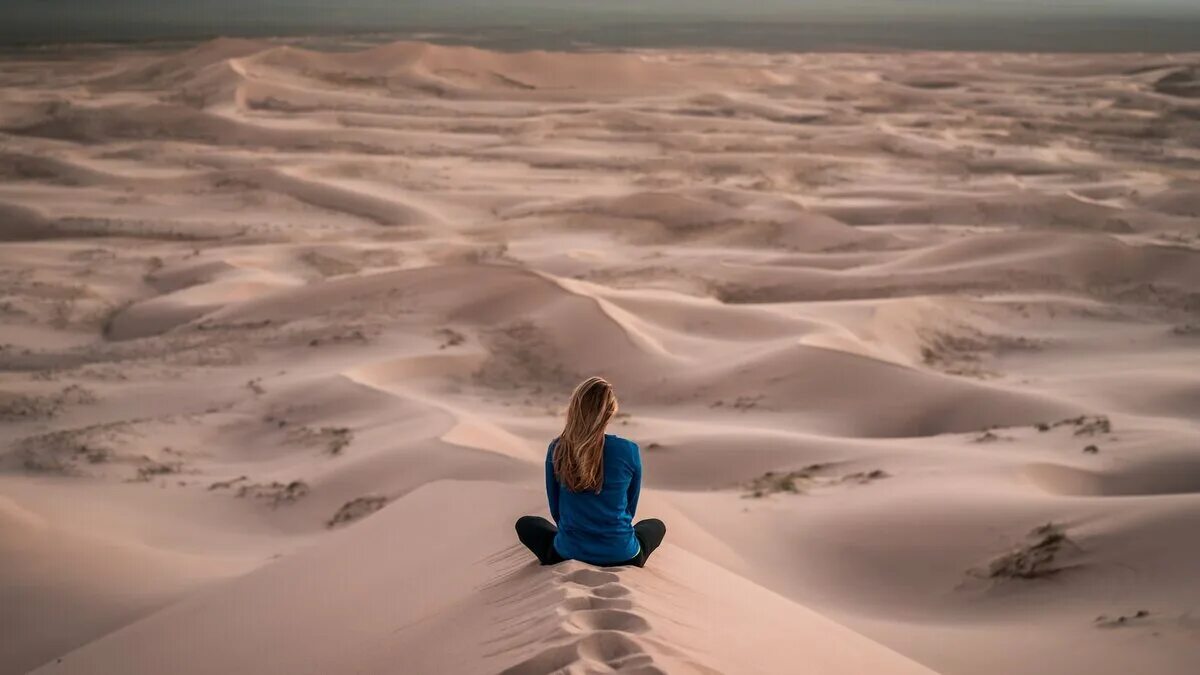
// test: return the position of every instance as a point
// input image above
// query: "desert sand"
(910, 343)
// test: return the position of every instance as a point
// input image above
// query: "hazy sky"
(481, 9)
(1115, 24)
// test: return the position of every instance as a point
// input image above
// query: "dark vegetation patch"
(1105, 621)
(226, 484)
(210, 325)
(327, 265)
(66, 451)
(1038, 558)
(932, 84)
(1085, 425)
(450, 338)
(16, 407)
(151, 468)
(811, 476)
(356, 509)
(275, 493)
(989, 436)
(773, 482)
(334, 439)
(355, 335)
(741, 403)
(864, 477)
(962, 351)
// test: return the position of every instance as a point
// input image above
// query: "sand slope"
(325, 609)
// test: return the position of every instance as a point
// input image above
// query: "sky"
(23, 21)
(482, 9)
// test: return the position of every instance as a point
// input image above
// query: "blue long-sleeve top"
(595, 527)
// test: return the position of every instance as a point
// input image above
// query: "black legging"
(537, 534)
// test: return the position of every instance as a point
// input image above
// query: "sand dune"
(465, 71)
(712, 217)
(539, 621)
(120, 582)
(909, 343)
(23, 223)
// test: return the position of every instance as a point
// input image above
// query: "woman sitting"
(592, 482)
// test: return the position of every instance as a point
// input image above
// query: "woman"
(592, 481)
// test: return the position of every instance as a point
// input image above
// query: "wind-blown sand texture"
(910, 343)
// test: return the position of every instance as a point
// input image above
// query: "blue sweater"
(598, 528)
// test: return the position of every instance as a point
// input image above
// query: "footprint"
(592, 627)
(594, 602)
(609, 620)
(611, 590)
(636, 663)
(590, 578)
(608, 647)
(642, 669)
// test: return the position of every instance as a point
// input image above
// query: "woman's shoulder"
(619, 442)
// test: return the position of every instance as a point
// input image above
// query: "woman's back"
(598, 527)
(593, 480)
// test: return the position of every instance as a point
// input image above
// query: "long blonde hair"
(579, 452)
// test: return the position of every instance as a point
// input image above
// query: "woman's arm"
(551, 484)
(635, 482)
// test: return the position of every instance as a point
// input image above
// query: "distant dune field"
(910, 343)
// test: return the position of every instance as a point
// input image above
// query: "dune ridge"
(579, 617)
